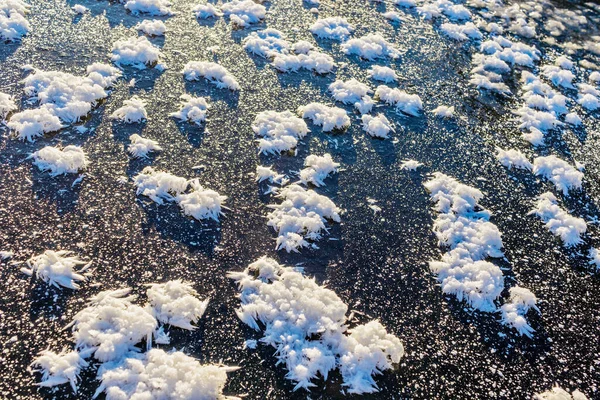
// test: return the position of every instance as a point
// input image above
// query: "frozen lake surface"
(375, 260)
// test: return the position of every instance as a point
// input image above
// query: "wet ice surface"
(378, 262)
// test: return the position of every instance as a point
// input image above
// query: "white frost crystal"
(137, 52)
(244, 12)
(410, 104)
(201, 203)
(377, 126)
(278, 131)
(513, 158)
(193, 109)
(329, 118)
(318, 169)
(564, 176)
(175, 303)
(213, 72)
(370, 47)
(133, 110)
(111, 325)
(558, 221)
(140, 147)
(57, 269)
(334, 28)
(68, 160)
(7, 105)
(301, 215)
(159, 185)
(306, 324)
(13, 24)
(161, 375)
(59, 368)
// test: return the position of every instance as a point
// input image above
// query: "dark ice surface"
(376, 262)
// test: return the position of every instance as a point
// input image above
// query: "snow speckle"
(80, 9)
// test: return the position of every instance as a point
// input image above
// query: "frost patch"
(383, 74)
(57, 269)
(175, 303)
(564, 176)
(161, 375)
(377, 126)
(301, 215)
(213, 72)
(410, 104)
(279, 131)
(13, 24)
(243, 13)
(7, 105)
(137, 52)
(133, 110)
(140, 147)
(513, 158)
(68, 160)
(153, 27)
(329, 118)
(318, 169)
(333, 28)
(60, 368)
(306, 324)
(193, 109)
(370, 47)
(558, 221)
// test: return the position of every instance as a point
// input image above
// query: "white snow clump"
(68, 160)
(57, 269)
(213, 72)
